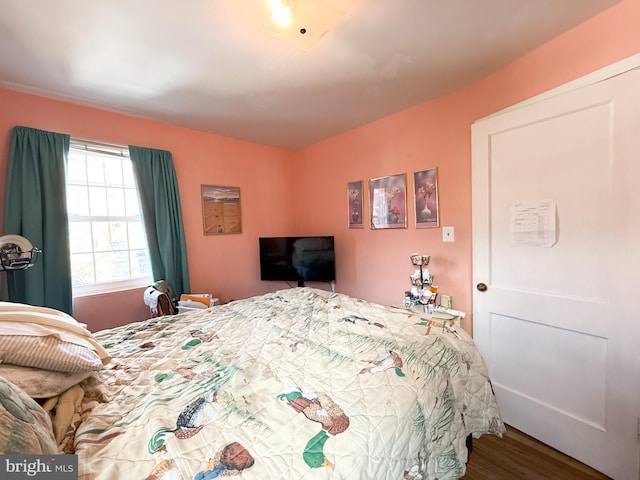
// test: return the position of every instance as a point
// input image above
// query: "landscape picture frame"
(221, 213)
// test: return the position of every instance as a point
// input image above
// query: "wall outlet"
(447, 234)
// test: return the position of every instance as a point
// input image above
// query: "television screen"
(297, 259)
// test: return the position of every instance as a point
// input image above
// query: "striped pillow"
(47, 353)
(45, 338)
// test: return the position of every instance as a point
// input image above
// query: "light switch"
(447, 234)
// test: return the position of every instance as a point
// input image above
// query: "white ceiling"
(206, 64)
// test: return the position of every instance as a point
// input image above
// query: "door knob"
(481, 287)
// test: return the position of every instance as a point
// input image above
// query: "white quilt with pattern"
(297, 384)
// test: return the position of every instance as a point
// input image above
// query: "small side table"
(445, 317)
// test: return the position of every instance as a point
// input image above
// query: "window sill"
(111, 287)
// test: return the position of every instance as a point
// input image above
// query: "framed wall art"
(221, 210)
(425, 186)
(355, 202)
(388, 202)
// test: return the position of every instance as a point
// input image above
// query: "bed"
(301, 383)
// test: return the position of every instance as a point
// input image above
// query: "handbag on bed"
(159, 298)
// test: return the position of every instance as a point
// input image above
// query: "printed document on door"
(533, 223)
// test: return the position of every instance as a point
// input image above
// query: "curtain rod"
(103, 148)
(96, 143)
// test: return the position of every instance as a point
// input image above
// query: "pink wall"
(374, 264)
(225, 265)
(371, 264)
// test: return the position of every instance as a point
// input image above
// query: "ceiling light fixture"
(302, 23)
(281, 13)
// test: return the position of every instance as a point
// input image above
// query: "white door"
(559, 325)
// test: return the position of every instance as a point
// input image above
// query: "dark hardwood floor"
(517, 456)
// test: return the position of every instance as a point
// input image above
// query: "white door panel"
(578, 388)
(559, 326)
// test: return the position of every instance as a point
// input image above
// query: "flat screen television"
(297, 259)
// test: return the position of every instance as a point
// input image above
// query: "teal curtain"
(35, 207)
(160, 204)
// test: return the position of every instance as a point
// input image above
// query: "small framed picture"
(425, 186)
(355, 202)
(221, 210)
(388, 202)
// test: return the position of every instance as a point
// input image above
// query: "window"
(107, 242)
